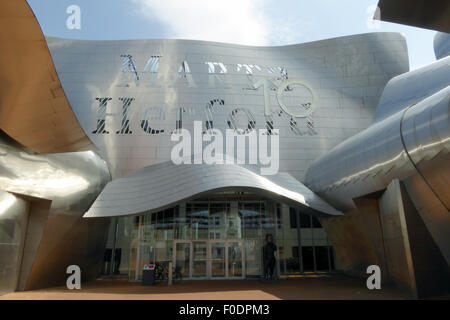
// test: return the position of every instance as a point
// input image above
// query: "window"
(182, 221)
(217, 220)
(295, 252)
(308, 258)
(252, 217)
(305, 220)
(267, 221)
(292, 263)
(316, 222)
(279, 217)
(322, 258)
(293, 217)
(199, 221)
(332, 267)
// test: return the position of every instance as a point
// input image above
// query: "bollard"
(170, 274)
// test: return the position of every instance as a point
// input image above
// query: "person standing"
(269, 257)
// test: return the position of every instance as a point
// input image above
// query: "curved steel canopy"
(410, 134)
(166, 184)
(33, 106)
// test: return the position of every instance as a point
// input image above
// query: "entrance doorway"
(209, 259)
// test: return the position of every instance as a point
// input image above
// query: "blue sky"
(251, 22)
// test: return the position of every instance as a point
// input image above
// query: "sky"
(248, 22)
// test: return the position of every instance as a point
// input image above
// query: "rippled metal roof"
(165, 184)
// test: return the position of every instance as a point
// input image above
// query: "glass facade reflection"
(14, 214)
(220, 236)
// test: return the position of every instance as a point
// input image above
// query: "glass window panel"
(253, 258)
(292, 262)
(13, 227)
(322, 258)
(268, 220)
(160, 225)
(279, 217)
(282, 259)
(127, 229)
(289, 242)
(218, 259)
(235, 259)
(163, 251)
(199, 221)
(234, 221)
(316, 222)
(183, 259)
(199, 259)
(147, 255)
(167, 225)
(252, 215)
(332, 255)
(106, 267)
(149, 226)
(308, 258)
(305, 220)
(217, 220)
(293, 217)
(182, 222)
(279, 239)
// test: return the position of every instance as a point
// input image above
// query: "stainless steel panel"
(166, 184)
(33, 107)
(441, 45)
(207, 81)
(410, 143)
(61, 237)
(412, 87)
(397, 244)
(13, 224)
(394, 147)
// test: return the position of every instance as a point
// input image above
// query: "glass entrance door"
(217, 259)
(234, 259)
(183, 259)
(199, 259)
(210, 259)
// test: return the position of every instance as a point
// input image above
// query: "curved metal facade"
(57, 190)
(392, 148)
(409, 142)
(395, 145)
(129, 96)
(33, 106)
(166, 184)
(441, 45)
(412, 87)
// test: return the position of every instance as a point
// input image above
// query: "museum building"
(111, 158)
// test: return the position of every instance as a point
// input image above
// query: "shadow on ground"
(335, 287)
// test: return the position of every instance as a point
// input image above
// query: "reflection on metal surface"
(33, 107)
(412, 87)
(166, 184)
(409, 141)
(130, 95)
(441, 45)
(57, 235)
(13, 224)
(368, 161)
(64, 178)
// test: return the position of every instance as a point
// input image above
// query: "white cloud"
(232, 21)
(290, 30)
